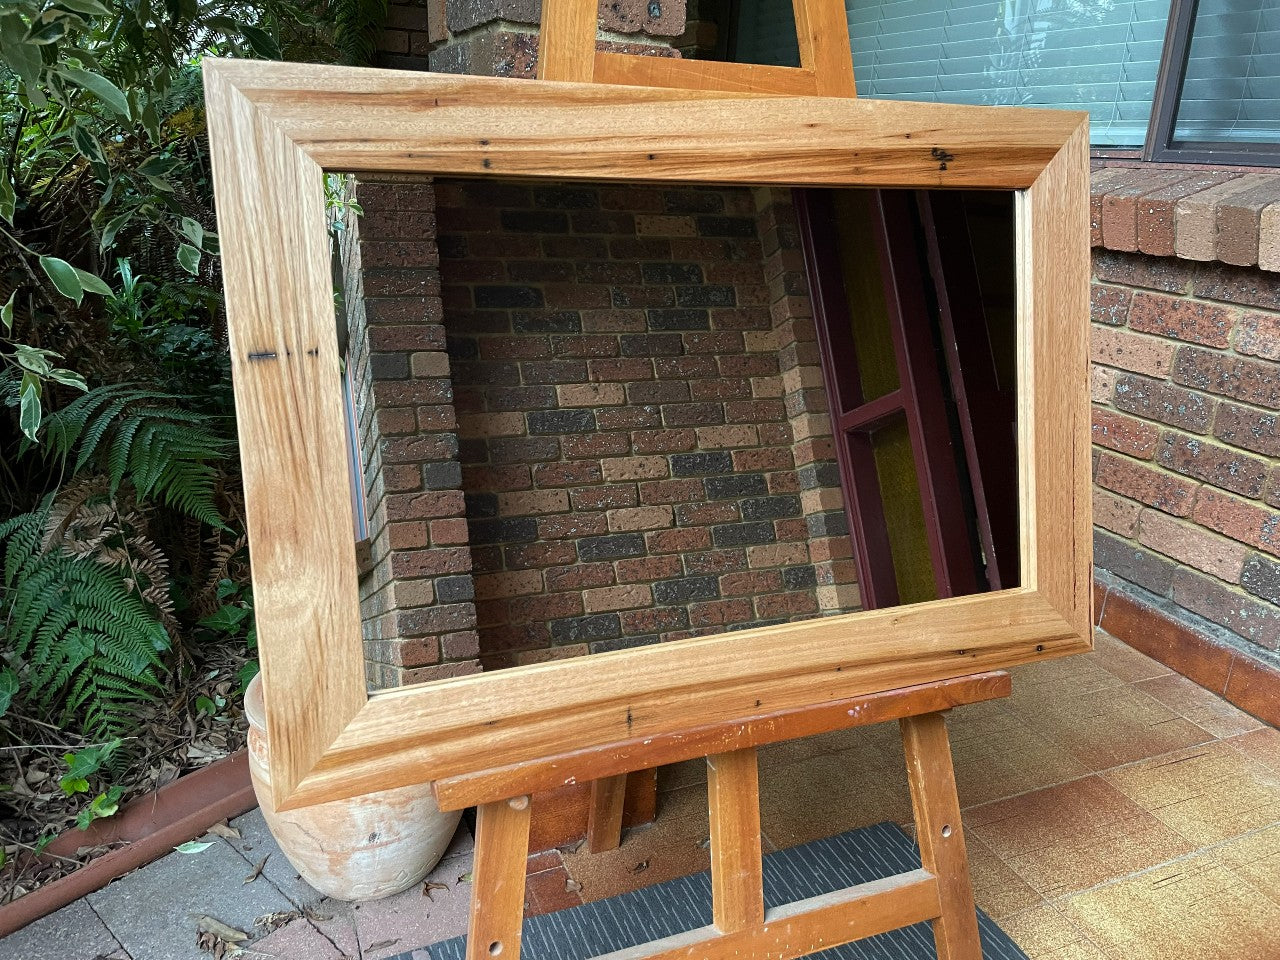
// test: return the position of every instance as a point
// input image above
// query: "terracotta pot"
(359, 849)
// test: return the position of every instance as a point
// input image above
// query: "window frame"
(1158, 146)
(1172, 74)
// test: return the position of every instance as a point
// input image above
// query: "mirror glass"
(586, 417)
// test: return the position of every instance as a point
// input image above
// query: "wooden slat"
(822, 30)
(497, 893)
(292, 427)
(1053, 289)
(410, 122)
(567, 45)
(940, 834)
(737, 873)
(604, 817)
(547, 773)
(806, 926)
(703, 75)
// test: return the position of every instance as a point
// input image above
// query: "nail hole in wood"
(946, 830)
(495, 948)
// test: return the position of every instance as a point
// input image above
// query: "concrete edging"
(151, 825)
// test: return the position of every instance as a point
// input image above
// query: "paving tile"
(300, 940)
(1256, 857)
(1193, 702)
(1066, 838)
(1261, 745)
(1043, 932)
(412, 919)
(1117, 657)
(674, 846)
(152, 911)
(999, 754)
(549, 890)
(1194, 907)
(1062, 679)
(72, 933)
(832, 793)
(1207, 793)
(1109, 726)
(257, 842)
(996, 887)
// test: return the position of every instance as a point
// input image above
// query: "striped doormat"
(666, 909)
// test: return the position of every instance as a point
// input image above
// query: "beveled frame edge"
(274, 128)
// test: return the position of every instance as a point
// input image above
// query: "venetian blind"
(1232, 87)
(1096, 55)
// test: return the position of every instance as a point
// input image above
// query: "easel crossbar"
(549, 773)
(807, 926)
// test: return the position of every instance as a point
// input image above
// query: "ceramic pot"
(358, 849)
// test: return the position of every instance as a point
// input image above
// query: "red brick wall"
(1186, 390)
(625, 431)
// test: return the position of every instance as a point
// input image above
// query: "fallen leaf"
(572, 886)
(215, 937)
(316, 917)
(207, 924)
(382, 944)
(194, 846)
(225, 830)
(465, 877)
(274, 921)
(640, 867)
(257, 870)
(432, 885)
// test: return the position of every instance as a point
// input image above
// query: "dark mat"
(666, 909)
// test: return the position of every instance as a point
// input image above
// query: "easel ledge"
(941, 891)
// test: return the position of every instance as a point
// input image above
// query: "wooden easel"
(941, 891)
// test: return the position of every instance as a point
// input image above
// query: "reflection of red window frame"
(921, 398)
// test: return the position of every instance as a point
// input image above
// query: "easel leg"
(941, 836)
(733, 801)
(604, 820)
(497, 895)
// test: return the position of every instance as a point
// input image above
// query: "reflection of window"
(1113, 58)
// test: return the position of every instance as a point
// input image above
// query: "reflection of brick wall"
(419, 621)
(627, 449)
(1186, 389)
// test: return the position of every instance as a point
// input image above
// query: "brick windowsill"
(1230, 216)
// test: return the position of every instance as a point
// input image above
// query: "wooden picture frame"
(274, 128)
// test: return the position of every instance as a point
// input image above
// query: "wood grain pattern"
(940, 834)
(497, 894)
(806, 926)
(737, 858)
(822, 30)
(274, 126)
(289, 413)
(567, 41)
(549, 773)
(604, 816)
(406, 122)
(634, 71)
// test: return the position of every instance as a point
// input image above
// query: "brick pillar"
(813, 449)
(500, 37)
(417, 599)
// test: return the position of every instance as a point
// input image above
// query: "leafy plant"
(164, 450)
(87, 647)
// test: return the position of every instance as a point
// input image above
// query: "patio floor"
(1113, 809)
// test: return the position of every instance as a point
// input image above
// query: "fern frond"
(87, 647)
(145, 437)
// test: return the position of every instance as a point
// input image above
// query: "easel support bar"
(807, 926)
(582, 766)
